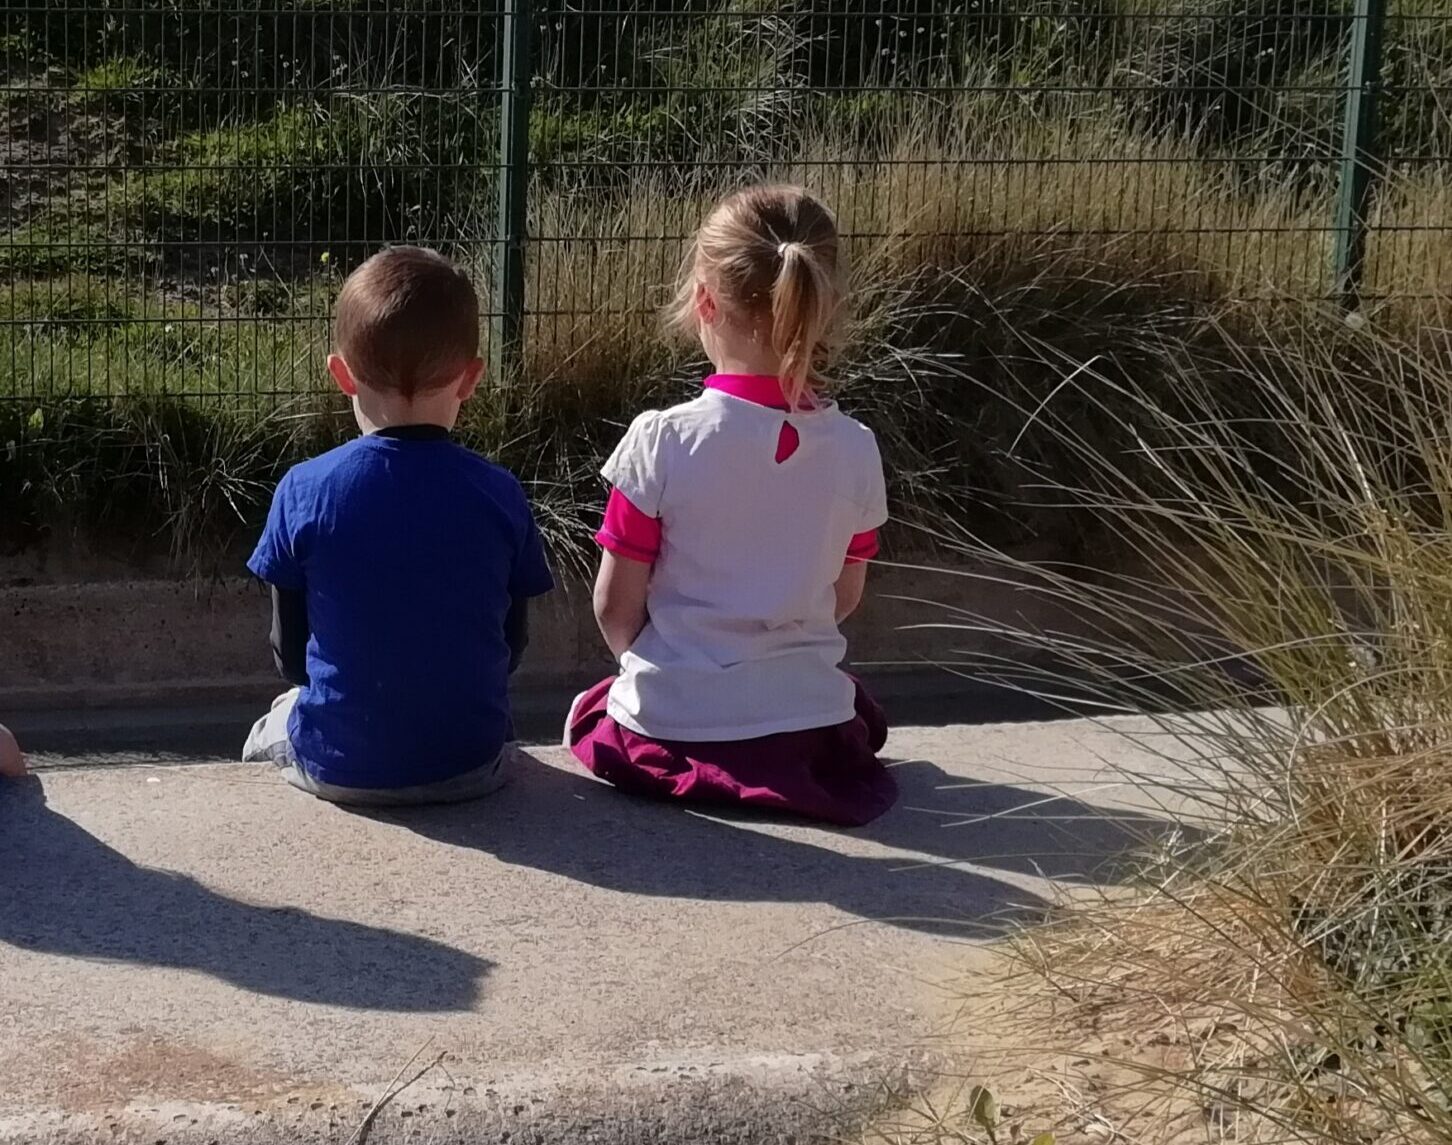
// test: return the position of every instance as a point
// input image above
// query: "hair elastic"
(781, 249)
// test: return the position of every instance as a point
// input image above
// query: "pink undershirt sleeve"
(864, 547)
(628, 532)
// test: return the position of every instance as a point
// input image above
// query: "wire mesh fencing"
(186, 182)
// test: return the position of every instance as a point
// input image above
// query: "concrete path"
(197, 953)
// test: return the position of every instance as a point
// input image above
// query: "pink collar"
(758, 389)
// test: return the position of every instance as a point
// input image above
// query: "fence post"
(1358, 148)
(514, 83)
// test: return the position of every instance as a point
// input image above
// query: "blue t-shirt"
(408, 553)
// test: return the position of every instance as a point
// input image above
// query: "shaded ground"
(202, 949)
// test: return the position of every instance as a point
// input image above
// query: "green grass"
(969, 304)
(396, 166)
(120, 75)
(237, 173)
(54, 245)
(1023, 224)
(83, 337)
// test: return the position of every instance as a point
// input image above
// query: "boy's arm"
(276, 563)
(620, 593)
(290, 634)
(529, 577)
(516, 630)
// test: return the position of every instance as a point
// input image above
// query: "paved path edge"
(776, 1099)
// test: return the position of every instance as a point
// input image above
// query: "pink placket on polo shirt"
(761, 390)
(628, 532)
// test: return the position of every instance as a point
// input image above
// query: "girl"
(13, 764)
(734, 544)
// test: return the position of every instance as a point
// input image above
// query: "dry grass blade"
(392, 1090)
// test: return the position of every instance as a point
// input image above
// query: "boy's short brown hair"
(407, 321)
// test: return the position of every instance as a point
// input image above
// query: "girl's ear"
(706, 309)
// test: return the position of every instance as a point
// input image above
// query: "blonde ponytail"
(803, 305)
(771, 255)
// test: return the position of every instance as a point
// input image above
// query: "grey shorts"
(268, 742)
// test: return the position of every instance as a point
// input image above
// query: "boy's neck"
(374, 411)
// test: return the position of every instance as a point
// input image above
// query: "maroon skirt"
(831, 773)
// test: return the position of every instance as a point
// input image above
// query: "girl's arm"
(850, 586)
(620, 600)
(12, 761)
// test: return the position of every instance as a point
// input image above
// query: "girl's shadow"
(1018, 830)
(568, 824)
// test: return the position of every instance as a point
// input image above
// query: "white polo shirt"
(742, 640)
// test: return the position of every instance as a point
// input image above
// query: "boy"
(400, 563)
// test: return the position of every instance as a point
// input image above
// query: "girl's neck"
(752, 360)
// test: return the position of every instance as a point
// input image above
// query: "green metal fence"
(185, 182)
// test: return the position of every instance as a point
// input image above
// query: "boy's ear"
(469, 381)
(342, 375)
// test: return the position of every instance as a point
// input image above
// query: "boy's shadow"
(568, 824)
(67, 893)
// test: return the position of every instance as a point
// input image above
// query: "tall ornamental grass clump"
(1286, 583)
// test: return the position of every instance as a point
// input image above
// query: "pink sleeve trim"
(864, 547)
(628, 532)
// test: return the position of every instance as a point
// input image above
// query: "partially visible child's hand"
(12, 761)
